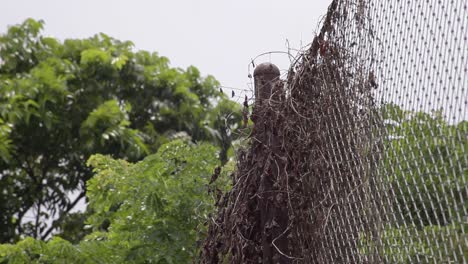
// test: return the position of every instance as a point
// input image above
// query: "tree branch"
(61, 218)
(36, 226)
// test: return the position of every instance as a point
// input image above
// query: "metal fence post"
(274, 215)
(265, 76)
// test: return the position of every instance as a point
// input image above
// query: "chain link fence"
(359, 156)
(421, 71)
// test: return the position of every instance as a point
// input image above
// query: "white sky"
(219, 37)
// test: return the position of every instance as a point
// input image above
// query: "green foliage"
(155, 207)
(106, 130)
(17, 47)
(426, 163)
(61, 102)
(5, 142)
(56, 250)
(223, 125)
(412, 244)
(152, 211)
(73, 228)
(425, 166)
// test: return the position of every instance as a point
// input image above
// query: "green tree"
(5, 142)
(424, 163)
(61, 102)
(152, 211)
(425, 160)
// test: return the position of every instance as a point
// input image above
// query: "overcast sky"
(217, 36)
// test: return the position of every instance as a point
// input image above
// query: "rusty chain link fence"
(359, 155)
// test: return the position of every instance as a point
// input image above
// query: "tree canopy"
(421, 154)
(152, 211)
(62, 101)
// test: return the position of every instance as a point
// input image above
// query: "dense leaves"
(155, 208)
(5, 142)
(148, 212)
(423, 158)
(425, 164)
(61, 102)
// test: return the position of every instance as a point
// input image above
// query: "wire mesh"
(363, 146)
(422, 95)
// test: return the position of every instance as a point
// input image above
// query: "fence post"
(273, 214)
(265, 76)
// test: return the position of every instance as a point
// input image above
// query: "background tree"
(60, 102)
(5, 142)
(422, 151)
(152, 211)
